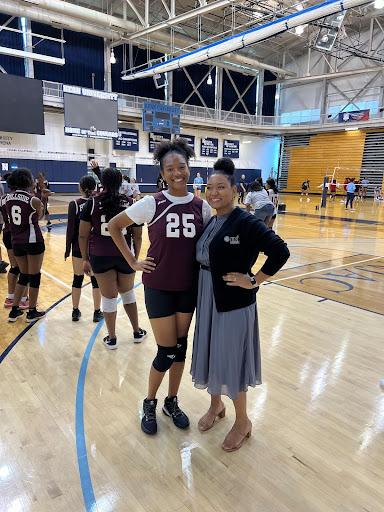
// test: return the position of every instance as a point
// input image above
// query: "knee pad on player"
(128, 297)
(23, 279)
(109, 305)
(181, 349)
(14, 270)
(94, 282)
(77, 281)
(164, 358)
(34, 280)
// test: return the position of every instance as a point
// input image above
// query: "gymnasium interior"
(288, 90)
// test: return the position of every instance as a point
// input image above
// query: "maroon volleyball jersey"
(173, 234)
(100, 241)
(23, 220)
(4, 214)
(72, 238)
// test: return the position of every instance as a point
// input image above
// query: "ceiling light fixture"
(112, 58)
(209, 80)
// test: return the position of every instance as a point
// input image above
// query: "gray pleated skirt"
(226, 347)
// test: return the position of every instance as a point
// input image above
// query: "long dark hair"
(20, 179)
(272, 184)
(87, 185)
(111, 201)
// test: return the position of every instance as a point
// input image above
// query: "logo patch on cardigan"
(233, 240)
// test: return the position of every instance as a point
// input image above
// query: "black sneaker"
(110, 343)
(14, 314)
(76, 314)
(3, 267)
(171, 408)
(34, 315)
(49, 225)
(148, 421)
(97, 316)
(139, 336)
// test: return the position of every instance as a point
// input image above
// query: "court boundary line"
(89, 498)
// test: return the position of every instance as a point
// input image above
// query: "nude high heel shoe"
(203, 427)
(238, 445)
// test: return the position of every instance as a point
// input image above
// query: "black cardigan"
(235, 248)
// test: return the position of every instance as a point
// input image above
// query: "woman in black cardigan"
(226, 349)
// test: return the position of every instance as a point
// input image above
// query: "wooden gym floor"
(70, 409)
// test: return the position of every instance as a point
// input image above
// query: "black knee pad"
(164, 358)
(94, 282)
(34, 280)
(14, 270)
(77, 280)
(23, 279)
(181, 349)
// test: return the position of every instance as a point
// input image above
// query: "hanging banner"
(231, 148)
(209, 147)
(356, 115)
(128, 140)
(190, 140)
(155, 138)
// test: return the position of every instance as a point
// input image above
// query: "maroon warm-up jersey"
(173, 234)
(23, 221)
(72, 238)
(100, 241)
(4, 214)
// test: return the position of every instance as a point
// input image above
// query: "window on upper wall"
(12, 65)
(300, 116)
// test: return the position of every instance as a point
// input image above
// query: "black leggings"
(350, 198)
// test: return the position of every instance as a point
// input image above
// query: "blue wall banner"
(155, 138)
(189, 138)
(209, 147)
(356, 115)
(128, 140)
(231, 148)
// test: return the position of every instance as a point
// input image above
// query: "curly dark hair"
(111, 201)
(20, 179)
(227, 167)
(87, 185)
(178, 145)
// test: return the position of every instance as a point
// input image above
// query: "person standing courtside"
(242, 189)
(350, 188)
(24, 210)
(103, 258)
(87, 186)
(226, 347)
(175, 219)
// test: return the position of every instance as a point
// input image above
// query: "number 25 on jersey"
(180, 223)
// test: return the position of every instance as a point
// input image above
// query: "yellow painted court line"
(324, 269)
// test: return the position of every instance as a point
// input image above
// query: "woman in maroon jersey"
(175, 219)
(24, 210)
(14, 271)
(101, 255)
(87, 186)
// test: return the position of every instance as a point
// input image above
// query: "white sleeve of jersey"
(143, 211)
(207, 213)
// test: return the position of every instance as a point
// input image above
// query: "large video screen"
(21, 105)
(89, 113)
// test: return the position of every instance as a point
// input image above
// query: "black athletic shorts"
(31, 249)
(76, 252)
(7, 239)
(101, 264)
(161, 303)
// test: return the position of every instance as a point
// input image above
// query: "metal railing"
(135, 104)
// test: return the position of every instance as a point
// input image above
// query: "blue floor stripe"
(81, 445)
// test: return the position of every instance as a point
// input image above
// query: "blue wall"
(84, 55)
(149, 174)
(54, 170)
(144, 87)
(12, 65)
(182, 87)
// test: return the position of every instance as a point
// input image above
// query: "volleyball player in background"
(87, 186)
(43, 192)
(273, 194)
(24, 210)
(175, 221)
(14, 269)
(101, 255)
